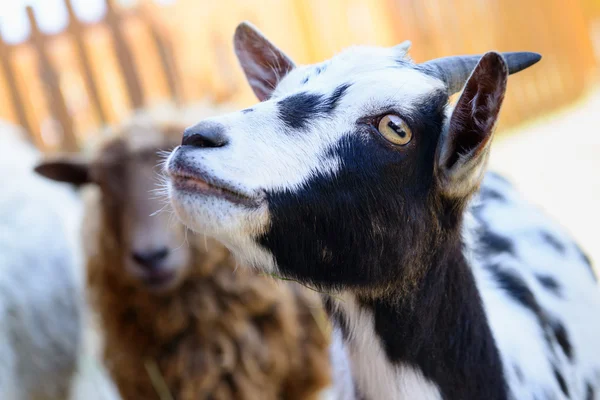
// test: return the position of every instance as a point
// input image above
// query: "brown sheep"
(179, 320)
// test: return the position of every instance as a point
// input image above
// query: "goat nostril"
(205, 134)
(150, 259)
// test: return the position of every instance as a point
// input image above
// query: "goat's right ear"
(263, 63)
(463, 151)
(71, 169)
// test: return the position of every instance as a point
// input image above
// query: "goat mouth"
(191, 182)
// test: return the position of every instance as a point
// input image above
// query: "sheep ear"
(71, 169)
(263, 63)
(464, 148)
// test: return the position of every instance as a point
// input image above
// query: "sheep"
(178, 320)
(356, 176)
(40, 277)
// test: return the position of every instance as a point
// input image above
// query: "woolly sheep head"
(151, 245)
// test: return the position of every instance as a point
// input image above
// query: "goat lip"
(188, 182)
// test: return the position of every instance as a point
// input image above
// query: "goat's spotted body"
(529, 273)
(536, 281)
(425, 298)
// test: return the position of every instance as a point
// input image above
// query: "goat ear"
(263, 63)
(464, 148)
(66, 168)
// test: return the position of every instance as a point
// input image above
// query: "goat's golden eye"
(395, 130)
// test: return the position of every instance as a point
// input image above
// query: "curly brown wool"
(222, 333)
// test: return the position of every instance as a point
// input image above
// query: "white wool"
(40, 276)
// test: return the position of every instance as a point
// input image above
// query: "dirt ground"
(555, 161)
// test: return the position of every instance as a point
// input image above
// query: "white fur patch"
(343, 384)
(376, 377)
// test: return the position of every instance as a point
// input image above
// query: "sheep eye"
(395, 130)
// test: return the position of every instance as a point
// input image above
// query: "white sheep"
(40, 279)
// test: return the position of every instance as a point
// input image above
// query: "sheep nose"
(205, 134)
(150, 259)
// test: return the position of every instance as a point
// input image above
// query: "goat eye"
(395, 130)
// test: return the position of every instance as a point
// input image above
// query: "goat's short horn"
(403, 47)
(454, 71)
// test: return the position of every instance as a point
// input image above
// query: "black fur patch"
(515, 286)
(335, 97)
(493, 243)
(320, 68)
(549, 283)
(487, 194)
(357, 394)
(403, 62)
(297, 110)
(589, 391)
(563, 339)
(586, 260)
(247, 110)
(518, 373)
(561, 382)
(316, 71)
(553, 241)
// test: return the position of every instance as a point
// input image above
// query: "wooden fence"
(63, 85)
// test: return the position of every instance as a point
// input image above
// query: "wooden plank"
(77, 32)
(11, 81)
(165, 53)
(303, 14)
(50, 79)
(124, 55)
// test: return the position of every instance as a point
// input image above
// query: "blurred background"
(68, 67)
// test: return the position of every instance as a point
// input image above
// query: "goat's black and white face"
(343, 172)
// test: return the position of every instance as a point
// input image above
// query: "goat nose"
(205, 134)
(150, 259)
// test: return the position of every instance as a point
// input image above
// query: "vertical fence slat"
(11, 81)
(51, 81)
(125, 57)
(165, 53)
(76, 32)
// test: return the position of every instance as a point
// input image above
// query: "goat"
(176, 317)
(356, 175)
(40, 279)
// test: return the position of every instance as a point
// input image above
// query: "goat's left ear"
(263, 63)
(464, 148)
